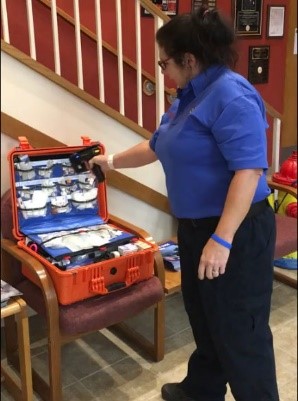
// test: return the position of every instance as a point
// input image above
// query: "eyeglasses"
(163, 63)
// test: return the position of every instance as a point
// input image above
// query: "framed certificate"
(275, 21)
(195, 4)
(248, 17)
(169, 7)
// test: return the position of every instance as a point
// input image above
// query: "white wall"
(39, 103)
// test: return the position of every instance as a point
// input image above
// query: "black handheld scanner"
(79, 161)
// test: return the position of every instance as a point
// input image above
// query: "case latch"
(24, 143)
(97, 286)
(132, 275)
(86, 140)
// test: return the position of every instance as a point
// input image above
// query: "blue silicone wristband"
(221, 241)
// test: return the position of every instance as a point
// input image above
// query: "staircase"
(69, 41)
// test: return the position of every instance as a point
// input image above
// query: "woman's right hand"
(100, 160)
(136, 156)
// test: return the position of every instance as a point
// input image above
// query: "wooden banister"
(271, 111)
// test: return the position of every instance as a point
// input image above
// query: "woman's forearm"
(238, 202)
(137, 156)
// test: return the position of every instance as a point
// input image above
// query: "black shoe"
(172, 392)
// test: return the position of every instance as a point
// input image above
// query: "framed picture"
(195, 4)
(169, 7)
(275, 21)
(248, 17)
(258, 64)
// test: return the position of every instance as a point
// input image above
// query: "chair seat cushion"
(98, 312)
(286, 238)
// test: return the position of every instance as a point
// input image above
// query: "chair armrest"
(125, 225)
(159, 269)
(281, 187)
(10, 251)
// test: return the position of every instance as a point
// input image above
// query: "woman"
(212, 146)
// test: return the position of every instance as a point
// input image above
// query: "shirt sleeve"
(240, 133)
(153, 140)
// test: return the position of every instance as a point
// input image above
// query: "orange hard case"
(90, 280)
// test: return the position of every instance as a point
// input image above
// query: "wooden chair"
(66, 323)
(286, 233)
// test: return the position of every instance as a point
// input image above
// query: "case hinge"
(24, 143)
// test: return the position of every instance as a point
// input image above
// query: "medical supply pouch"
(60, 217)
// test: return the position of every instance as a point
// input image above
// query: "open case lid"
(48, 195)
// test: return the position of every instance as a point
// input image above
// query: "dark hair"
(207, 34)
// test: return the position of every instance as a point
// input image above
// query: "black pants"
(229, 315)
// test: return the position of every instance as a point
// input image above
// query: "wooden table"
(172, 278)
(172, 282)
(19, 387)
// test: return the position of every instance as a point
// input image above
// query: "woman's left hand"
(213, 260)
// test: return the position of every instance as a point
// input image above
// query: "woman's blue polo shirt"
(216, 126)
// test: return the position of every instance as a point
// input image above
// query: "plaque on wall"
(169, 7)
(258, 64)
(248, 17)
(198, 3)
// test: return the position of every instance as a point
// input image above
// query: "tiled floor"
(100, 367)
